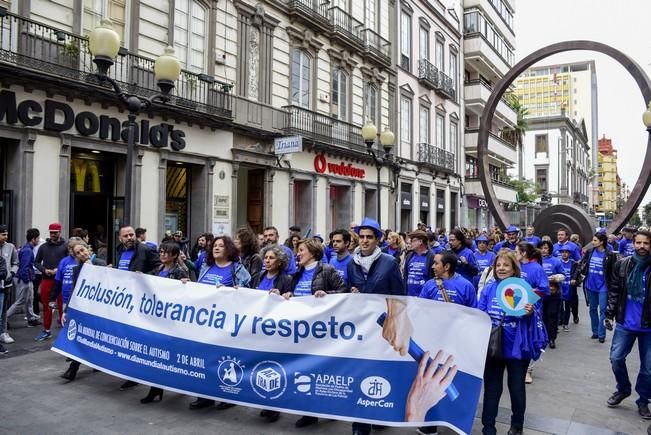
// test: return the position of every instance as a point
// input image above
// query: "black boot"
(71, 373)
(127, 385)
(201, 403)
(154, 393)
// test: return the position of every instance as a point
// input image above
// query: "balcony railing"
(431, 77)
(315, 11)
(437, 157)
(488, 86)
(344, 24)
(323, 129)
(253, 114)
(27, 44)
(377, 46)
(501, 180)
(474, 24)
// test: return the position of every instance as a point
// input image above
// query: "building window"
(439, 49)
(541, 179)
(454, 68)
(190, 34)
(339, 94)
(454, 136)
(405, 41)
(440, 131)
(471, 167)
(423, 43)
(541, 144)
(424, 125)
(371, 14)
(405, 122)
(370, 102)
(301, 73)
(95, 10)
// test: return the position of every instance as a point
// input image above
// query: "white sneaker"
(6, 338)
(528, 379)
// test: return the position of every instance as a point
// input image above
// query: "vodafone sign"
(321, 165)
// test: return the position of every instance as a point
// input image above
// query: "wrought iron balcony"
(314, 12)
(346, 29)
(377, 47)
(29, 45)
(430, 76)
(323, 129)
(436, 157)
(258, 117)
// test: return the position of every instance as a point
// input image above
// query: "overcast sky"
(623, 25)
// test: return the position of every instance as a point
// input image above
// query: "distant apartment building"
(546, 91)
(607, 178)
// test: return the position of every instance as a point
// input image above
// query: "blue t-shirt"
(65, 270)
(633, 313)
(534, 274)
(341, 266)
(534, 240)
(200, 259)
(552, 266)
(488, 303)
(626, 247)
(596, 281)
(575, 251)
(459, 290)
(566, 287)
(125, 259)
(505, 244)
(164, 273)
(416, 274)
(266, 283)
(465, 270)
(438, 248)
(304, 284)
(484, 260)
(291, 264)
(217, 275)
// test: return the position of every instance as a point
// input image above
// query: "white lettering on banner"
(311, 356)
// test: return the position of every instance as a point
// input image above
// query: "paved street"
(567, 397)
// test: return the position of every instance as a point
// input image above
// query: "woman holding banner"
(273, 278)
(171, 267)
(221, 268)
(514, 359)
(312, 278)
(65, 281)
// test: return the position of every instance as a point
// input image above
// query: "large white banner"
(353, 357)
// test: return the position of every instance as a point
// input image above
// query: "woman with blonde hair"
(395, 245)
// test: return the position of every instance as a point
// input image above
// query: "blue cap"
(371, 224)
(482, 238)
(601, 230)
(565, 247)
(512, 229)
(318, 236)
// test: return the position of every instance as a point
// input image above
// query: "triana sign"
(288, 145)
(58, 116)
(346, 170)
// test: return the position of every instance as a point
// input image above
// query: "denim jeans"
(516, 370)
(598, 300)
(623, 341)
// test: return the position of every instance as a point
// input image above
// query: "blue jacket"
(26, 263)
(383, 277)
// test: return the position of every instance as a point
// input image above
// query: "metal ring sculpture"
(643, 181)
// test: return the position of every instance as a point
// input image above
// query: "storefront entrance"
(93, 204)
(340, 207)
(250, 203)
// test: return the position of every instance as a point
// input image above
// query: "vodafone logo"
(346, 170)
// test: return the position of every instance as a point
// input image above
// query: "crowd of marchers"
(462, 266)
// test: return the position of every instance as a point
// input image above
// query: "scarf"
(634, 279)
(366, 262)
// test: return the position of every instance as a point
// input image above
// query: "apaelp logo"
(72, 330)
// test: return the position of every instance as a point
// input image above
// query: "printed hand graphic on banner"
(397, 327)
(429, 385)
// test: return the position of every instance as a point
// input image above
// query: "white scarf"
(365, 262)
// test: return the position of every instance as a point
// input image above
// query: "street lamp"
(387, 139)
(104, 44)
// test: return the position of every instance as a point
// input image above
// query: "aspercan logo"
(230, 373)
(375, 388)
(268, 379)
(72, 330)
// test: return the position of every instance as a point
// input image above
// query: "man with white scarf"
(371, 271)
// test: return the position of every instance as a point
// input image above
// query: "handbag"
(495, 341)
